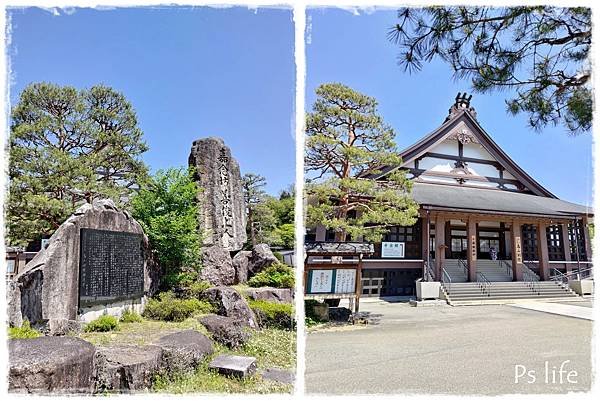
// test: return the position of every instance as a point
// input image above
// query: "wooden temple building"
(481, 217)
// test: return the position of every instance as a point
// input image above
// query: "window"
(529, 240)
(555, 242)
(410, 235)
(10, 266)
(577, 241)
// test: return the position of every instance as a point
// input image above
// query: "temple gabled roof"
(469, 199)
(462, 125)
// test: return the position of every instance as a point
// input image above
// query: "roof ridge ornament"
(464, 136)
(462, 101)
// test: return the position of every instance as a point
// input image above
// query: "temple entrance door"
(487, 240)
(458, 244)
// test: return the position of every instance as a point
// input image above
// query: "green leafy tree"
(347, 139)
(254, 194)
(68, 147)
(167, 209)
(541, 52)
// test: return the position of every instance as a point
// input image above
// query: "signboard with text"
(392, 249)
(331, 281)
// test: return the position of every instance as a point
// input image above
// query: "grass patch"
(273, 314)
(103, 324)
(170, 308)
(25, 331)
(142, 333)
(270, 347)
(204, 380)
(130, 316)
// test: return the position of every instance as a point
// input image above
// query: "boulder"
(261, 257)
(234, 365)
(339, 314)
(57, 365)
(231, 304)
(48, 287)
(270, 294)
(241, 262)
(127, 368)
(184, 350)
(226, 330)
(217, 267)
(63, 327)
(222, 207)
(278, 375)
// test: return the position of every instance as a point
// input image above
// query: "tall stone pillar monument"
(222, 209)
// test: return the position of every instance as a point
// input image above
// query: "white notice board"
(345, 281)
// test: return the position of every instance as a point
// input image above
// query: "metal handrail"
(528, 264)
(507, 266)
(446, 278)
(463, 264)
(580, 272)
(559, 277)
(531, 280)
(484, 283)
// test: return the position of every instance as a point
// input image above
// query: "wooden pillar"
(425, 237)
(542, 248)
(564, 228)
(448, 240)
(440, 251)
(472, 248)
(517, 251)
(565, 241)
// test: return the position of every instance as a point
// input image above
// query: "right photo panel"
(448, 201)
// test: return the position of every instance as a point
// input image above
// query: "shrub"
(25, 331)
(279, 256)
(130, 316)
(179, 279)
(277, 275)
(167, 209)
(196, 289)
(103, 323)
(272, 314)
(167, 307)
(311, 317)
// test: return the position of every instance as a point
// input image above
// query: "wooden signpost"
(333, 270)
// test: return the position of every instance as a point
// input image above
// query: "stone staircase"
(455, 270)
(499, 289)
(494, 270)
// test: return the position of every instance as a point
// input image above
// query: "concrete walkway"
(579, 312)
(467, 350)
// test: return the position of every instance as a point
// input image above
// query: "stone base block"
(234, 365)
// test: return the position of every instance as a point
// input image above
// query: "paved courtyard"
(451, 350)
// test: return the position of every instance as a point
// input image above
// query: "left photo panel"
(149, 204)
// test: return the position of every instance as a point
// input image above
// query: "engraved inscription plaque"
(111, 266)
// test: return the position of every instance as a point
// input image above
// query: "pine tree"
(346, 140)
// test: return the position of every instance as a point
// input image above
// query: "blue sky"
(354, 50)
(189, 73)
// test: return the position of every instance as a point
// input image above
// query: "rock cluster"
(65, 365)
(226, 330)
(51, 365)
(269, 294)
(47, 290)
(222, 207)
(231, 304)
(247, 263)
